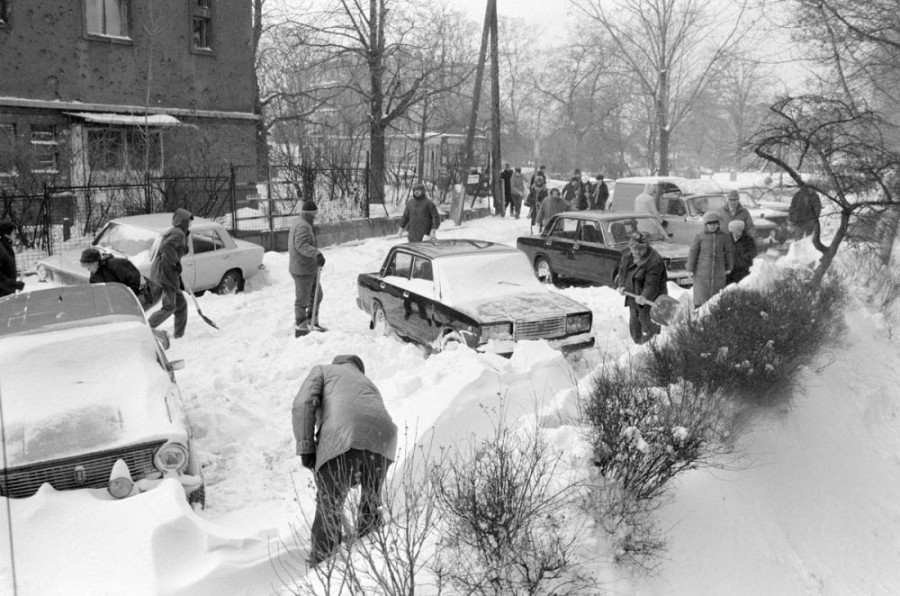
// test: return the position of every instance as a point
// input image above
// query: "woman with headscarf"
(744, 252)
(710, 259)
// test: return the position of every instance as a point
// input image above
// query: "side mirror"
(174, 365)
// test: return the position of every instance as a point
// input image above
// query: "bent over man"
(344, 434)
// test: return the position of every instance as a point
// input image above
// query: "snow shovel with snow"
(206, 319)
(664, 310)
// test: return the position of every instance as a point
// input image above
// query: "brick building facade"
(103, 90)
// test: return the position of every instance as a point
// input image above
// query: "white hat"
(735, 226)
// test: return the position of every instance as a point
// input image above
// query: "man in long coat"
(710, 259)
(641, 272)
(166, 271)
(304, 261)
(420, 217)
(343, 433)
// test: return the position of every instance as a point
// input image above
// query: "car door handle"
(576, 247)
(548, 243)
(406, 294)
(381, 285)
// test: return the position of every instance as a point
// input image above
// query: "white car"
(89, 398)
(216, 261)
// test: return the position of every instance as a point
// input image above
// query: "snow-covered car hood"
(67, 265)
(670, 250)
(82, 390)
(525, 305)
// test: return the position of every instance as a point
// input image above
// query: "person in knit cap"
(346, 436)
(304, 262)
(641, 272)
(710, 258)
(744, 252)
(9, 275)
(733, 210)
(166, 272)
(420, 217)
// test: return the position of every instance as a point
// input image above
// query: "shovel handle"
(650, 302)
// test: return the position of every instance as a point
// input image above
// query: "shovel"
(664, 310)
(206, 319)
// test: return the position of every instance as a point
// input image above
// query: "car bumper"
(682, 278)
(566, 345)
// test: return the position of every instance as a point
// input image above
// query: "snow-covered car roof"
(433, 249)
(160, 222)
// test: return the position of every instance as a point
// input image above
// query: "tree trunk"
(499, 192)
(887, 234)
(262, 132)
(662, 110)
(376, 100)
(376, 163)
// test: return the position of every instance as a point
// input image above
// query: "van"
(682, 203)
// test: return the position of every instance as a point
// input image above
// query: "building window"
(108, 18)
(44, 148)
(7, 148)
(201, 25)
(124, 149)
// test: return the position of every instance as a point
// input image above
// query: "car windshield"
(477, 276)
(621, 229)
(696, 186)
(697, 206)
(130, 240)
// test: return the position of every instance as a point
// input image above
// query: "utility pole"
(459, 199)
(499, 195)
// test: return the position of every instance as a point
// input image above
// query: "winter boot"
(301, 329)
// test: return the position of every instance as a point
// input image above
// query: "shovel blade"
(665, 310)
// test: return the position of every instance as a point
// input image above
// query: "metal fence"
(62, 218)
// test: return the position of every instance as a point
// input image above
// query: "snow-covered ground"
(810, 505)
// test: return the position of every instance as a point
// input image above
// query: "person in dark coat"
(549, 207)
(744, 252)
(733, 210)
(166, 271)
(506, 176)
(420, 217)
(9, 276)
(343, 433)
(304, 261)
(105, 268)
(710, 259)
(804, 210)
(518, 189)
(642, 272)
(536, 197)
(573, 194)
(542, 172)
(602, 194)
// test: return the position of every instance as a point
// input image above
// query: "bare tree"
(673, 48)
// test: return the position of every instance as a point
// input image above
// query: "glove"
(308, 460)
(178, 268)
(320, 260)
(641, 300)
(621, 290)
(20, 285)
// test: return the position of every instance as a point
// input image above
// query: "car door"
(675, 215)
(560, 244)
(418, 301)
(392, 286)
(210, 258)
(595, 260)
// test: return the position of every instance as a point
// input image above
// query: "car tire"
(232, 282)
(544, 271)
(380, 324)
(198, 497)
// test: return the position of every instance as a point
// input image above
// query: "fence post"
(48, 220)
(269, 204)
(148, 200)
(234, 220)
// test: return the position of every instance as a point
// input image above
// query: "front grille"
(92, 471)
(540, 328)
(677, 264)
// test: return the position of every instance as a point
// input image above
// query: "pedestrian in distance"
(646, 201)
(574, 195)
(536, 197)
(506, 176)
(550, 206)
(420, 217)
(733, 210)
(601, 195)
(518, 191)
(710, 259)
(744, 252)
(344, 435)
(166, 272)
(541, 171)
(9, 275)
(804, 211)
(641, 272)
(305, 262)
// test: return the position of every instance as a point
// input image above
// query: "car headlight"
(578, 323)
(499, 331)
(120, 483)
(171, 457)
(42, 272)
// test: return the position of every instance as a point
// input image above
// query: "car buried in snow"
(446, 293)
(89, 397)
(216, 261)
(588, 245)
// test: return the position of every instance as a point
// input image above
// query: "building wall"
(46, 54)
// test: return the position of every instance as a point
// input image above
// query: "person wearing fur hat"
(420, 217)
(304, 262)
(641, 272)
(733, 210)
(9, 275)
(344, 435)
(166, 272)
(744, 252)
(710, 258)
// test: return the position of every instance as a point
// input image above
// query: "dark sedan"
(587, 246)
(483, 295)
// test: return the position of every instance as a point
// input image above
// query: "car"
(446, 293)
(683, 202)
(89, 398)
(216, 261)
(587, 246)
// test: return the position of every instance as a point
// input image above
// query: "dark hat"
(309, 206)
(637, 238)
(91, 255)
(352, 358)
(733, 195)
(7, 226)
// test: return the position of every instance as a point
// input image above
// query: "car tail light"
(578, 323)
(501, 331)
(171, 457)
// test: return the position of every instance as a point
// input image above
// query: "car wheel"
(379, 322)
(543, 271)
(451, 341)
(231, 282)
